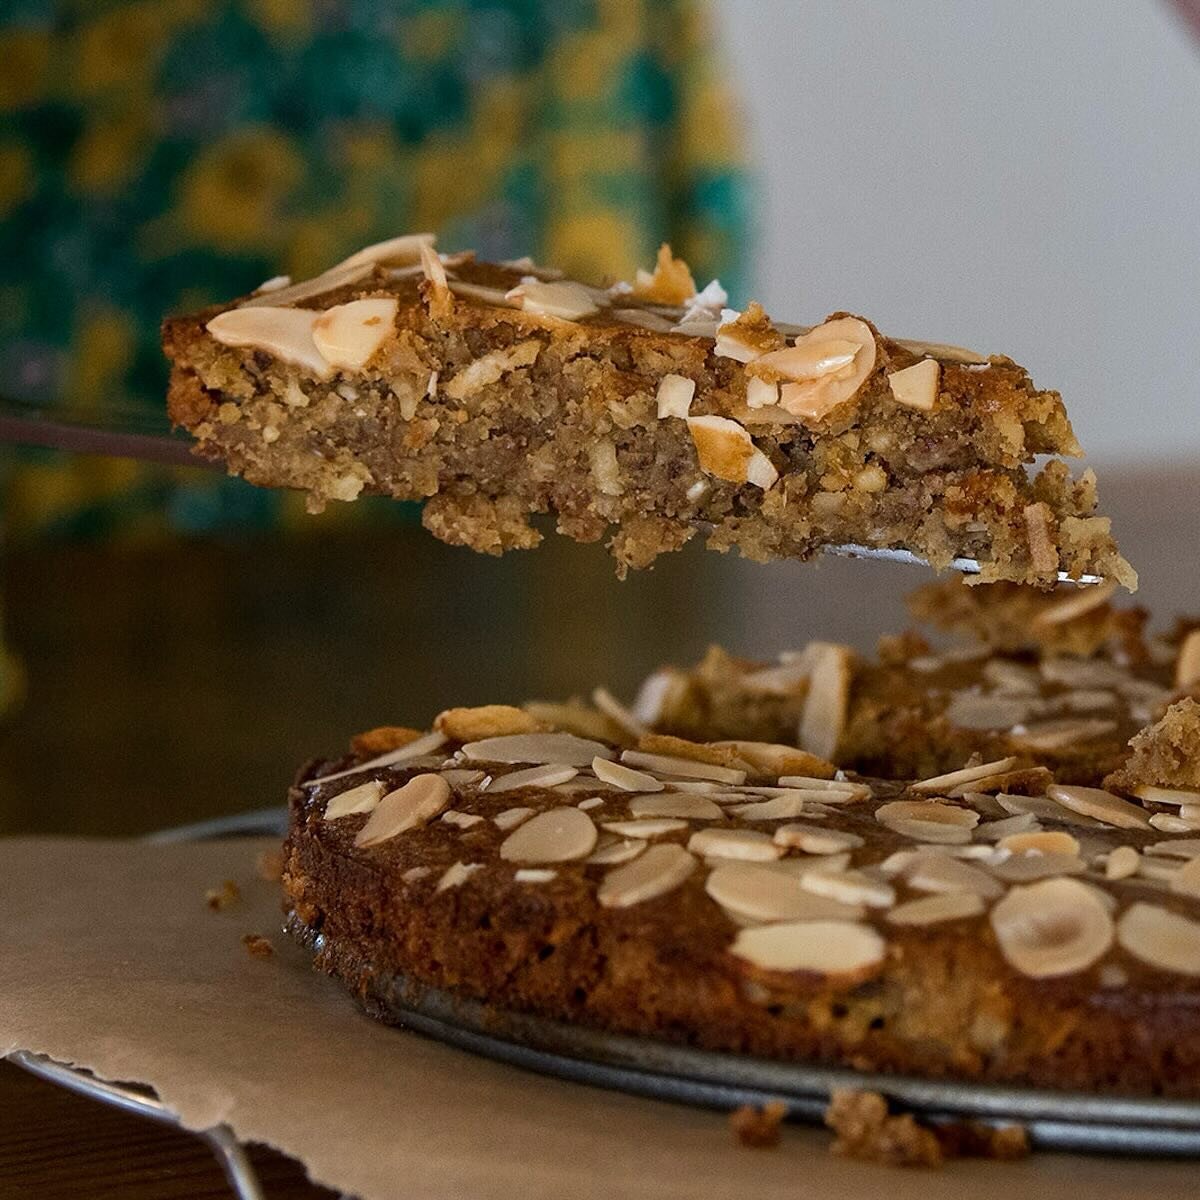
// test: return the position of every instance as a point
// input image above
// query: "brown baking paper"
(110, 959)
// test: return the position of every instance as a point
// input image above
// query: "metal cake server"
(135, 435)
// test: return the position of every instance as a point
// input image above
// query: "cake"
(641, 412)
(989, 922)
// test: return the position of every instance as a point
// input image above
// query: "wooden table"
(178, 681)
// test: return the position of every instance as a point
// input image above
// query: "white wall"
(1018, 176)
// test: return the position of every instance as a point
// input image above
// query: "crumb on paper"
(758, 1128)
(257, 946)
(222, 897)
(269, 865)
(864, 1129)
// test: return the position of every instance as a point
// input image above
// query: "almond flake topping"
(841, 950)
(1161, 795)
(725, 449)
(745, 844)
(1052, 928)
(941, 783)
(813, 398)
(931, 910)
(562, 749)
(812, 839)
(1121, 863)
(361, 799)
(757, 893)
(557, 835)
(668, 764)
(285, 333)
(940, 873)
(1161, 938)
(484, 721)
(1099, 804)
(534, 875)
(348, 335)
(674, 396)
(328, 281)
(421, 799)
(542, 777)
(1040, 843)
(456, 875)
(403, 251)
(510, 818)
(421, 746)
(563, 300)
(647, 827)
(928, 820)
(824, 713)
(917, 386)
(941, 351)
(660, 869)
(462, 820)
(850, 887)
(1166, 823)
(613, 851)
(1176, 848)
(685, 805)
(1061, 734)
(785, 807)
(1187, 665)
(1186, 881)
(1075, 604)
(625, 778)
(1025, 868)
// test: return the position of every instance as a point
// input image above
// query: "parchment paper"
(109, 958)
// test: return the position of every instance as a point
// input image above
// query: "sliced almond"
(563, 749)
(761, 393)
(757, 893)
(1046, 842)
(1161, 938)
(688, 768)
(660, 869)
(974, 710)
(994, 831)
(917, 386)
(434, 271)
(932, 910)
(1077, 602)
(456, 875)
(942, 873)
(966, 775)
(745, 844)
(562, 300)
(674, 396)
(625, 778)
(485, 721)
(940, 350)
(850, 887)
(1099, 805)
(1186, 881)
(421, 799)
(1176, 848)
(725, 449)
(1043, 807)
(785, 807)
(361, 799)
(328, 281)
(1121, 863)
(591, 802)
(612, 851)
(418, 748)
(403, 251)
(540, 777)
(675, 804)
(1161, 795)
(1082, 673)
(825, 706)
(928, 820)
(349, 335)
(460, 820)
(284, 333)
(616, 712)
(774, 758)
(557, 835)
(643, 318)
(1052, 928)
(812, 839)
(461, 777)
(534, 875)
(1167, 823)
(809, 359)
(510, 818)
(1062, 733)
(482, 372)
(857, 791)
(1025, 868)
(813, 399)
(843, 951)
(648, 827)
(1187, 664)
(669, 283)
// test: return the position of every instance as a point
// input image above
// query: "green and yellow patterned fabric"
(159, 155)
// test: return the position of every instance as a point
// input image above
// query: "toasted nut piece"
(726, 450)
(461, 820)
(611, 851)
(510, 818)
(746, 844)
(843, 951)
(1061, 733)
(1161, 795)
(557, 835)
(485, 370)
(1176, 848)
(1052, 928)
(403, 251)
(808, 359)
(1074, 604)
(456, 875)
(1025, 868)
(940, 350)
(1046, 842)
(688, 768)
(658, 870)
(812, 839)
(941, 783)
(534, 875)
(1187, 665)
(917, 386)
(929, 872)
(1186, 881)
(349, 335)
(931, 910)
(564, 749)
(626, 778)
(1122, 862)
(1100, 805)
(674, 396)
(1166, 823)
(426, 744)
(328, 281)
(771, 758)
(928, 820)
(815, 398)
(685, 805)
(563, 300)
(540, 777)
(573, 718)
(824, 715)
(850, 887)
(361, 799)
(760, 393)
(784, 807)
(486, 721)
(1163, 939)
(759, 893)
(1043, 556)
(285, 333)
(421, 799)
(383, 739)
(670, 283)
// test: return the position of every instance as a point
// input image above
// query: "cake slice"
(646, 412)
